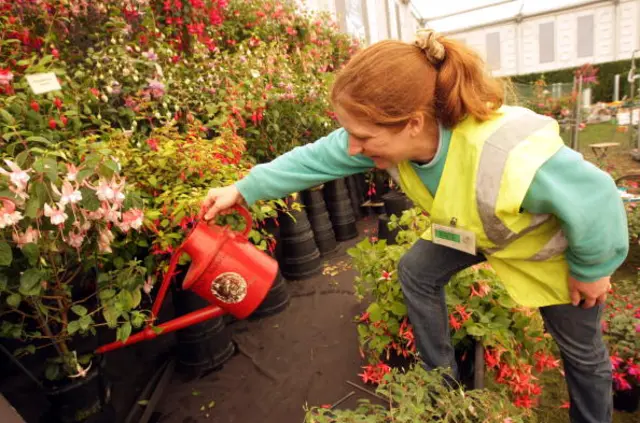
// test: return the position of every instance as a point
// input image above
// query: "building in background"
(371, 20)
(519, 37)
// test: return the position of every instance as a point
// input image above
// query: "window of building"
(493, 50)
(546, 42)
(585, 36)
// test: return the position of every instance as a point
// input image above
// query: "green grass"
(597, 133)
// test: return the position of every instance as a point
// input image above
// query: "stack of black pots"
(395, 203)
(300, 257)
(336, 196)
(319, 219)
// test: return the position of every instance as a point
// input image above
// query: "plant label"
(455, 238)
(41, 83)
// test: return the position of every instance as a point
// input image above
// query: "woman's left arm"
(586, 201)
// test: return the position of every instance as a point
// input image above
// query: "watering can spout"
(226, 270)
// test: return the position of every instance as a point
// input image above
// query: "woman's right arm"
(303, 167)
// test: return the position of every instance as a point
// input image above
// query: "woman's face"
(384, 145)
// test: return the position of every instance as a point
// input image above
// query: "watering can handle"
(247, 218)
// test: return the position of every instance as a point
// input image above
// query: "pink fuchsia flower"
(69, 194)
(27, 237)
(104, 241)
(76, 239)
(55, 214)
(620, 382)
(386, 276)
(17, 176)
(148, 285)
(615, 361)
(110, 191)
(9, 216)
(131, 219)
(150, 55)
(72, 172)
(5, 77)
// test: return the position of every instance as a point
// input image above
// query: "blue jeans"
(424, 271)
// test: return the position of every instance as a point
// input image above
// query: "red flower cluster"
(374, 373)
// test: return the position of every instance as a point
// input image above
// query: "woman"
(498, 183)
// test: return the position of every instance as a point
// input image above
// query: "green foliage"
(421, 396)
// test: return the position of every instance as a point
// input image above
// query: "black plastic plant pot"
(627, 400)
(335, 190)
(86, 399)
(384, 232)
(277, 299)
(203, 347)
(301, 267)
(323, 233)
(395, 203)
(354, 196)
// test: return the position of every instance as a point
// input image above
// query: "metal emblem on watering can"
(226, 270)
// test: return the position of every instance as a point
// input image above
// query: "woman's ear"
(416, 124)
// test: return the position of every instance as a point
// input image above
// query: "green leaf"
(6, 116)
(30, 282)
(399, 309)
(137, 297)
(123, 332)
(111, 315)
(31, 252)
(3, 282)
(6, 255)
(125, 300)
(52, 372)
(157, 330)
(375, 314)
(73, 327)
(13, 300)
(79, 310)
(39, 139)
(89, 200)
(476, 330)
(106, 294)
(85, 322)
(143, 402)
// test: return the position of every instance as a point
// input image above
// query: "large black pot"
(395, 203)
(321, 225)
(627, 401)
(384, 232)
(86, 400)
(338, 202)
(300, 254)
(277, 298)
(203, 347)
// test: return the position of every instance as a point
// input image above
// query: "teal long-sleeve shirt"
(583, 197)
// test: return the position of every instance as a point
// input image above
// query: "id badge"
(455, 238)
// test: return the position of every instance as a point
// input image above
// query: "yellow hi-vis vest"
(488, 170)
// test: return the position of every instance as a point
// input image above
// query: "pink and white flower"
(105, 238)
(17, 176)
(76, 239)
(110, 191)
(9, 216)
(57, 215)
(131, 219)
(27, 237)
(72, 172)
(5, 77)
(110, 213)
(69, 194)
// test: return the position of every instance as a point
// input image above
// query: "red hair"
(390, 81)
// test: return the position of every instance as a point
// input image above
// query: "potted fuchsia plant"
(60, 223)
(621, 328)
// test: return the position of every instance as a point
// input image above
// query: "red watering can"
(226, 270)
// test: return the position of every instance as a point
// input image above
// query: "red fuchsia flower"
(374, 373)
(524, 401)
(633, 370)
(620, 382)
(95, 92)
(35, 106)
(453, 322)
(52, 123)
(57, 102)
(6, 76)
(462, 311)
(363, 317)
(386, 276)
(64, 120)
(153, 144)
(565, 404)
(545, 361)
(55, 53)
(616, 361)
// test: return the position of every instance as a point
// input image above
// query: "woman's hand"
(219, 199)
(592, 292)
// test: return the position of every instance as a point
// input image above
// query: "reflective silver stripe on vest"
(493, 160)
(556, 245)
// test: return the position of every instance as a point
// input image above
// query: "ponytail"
(463, 86)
